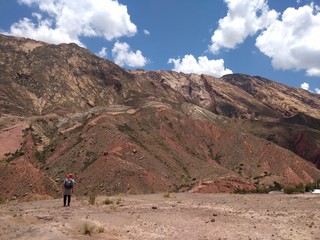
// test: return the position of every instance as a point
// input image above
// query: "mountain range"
(64, 109)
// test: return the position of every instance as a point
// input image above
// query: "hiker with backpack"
(68, 190)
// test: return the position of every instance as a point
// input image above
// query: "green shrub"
(297, 189)
(124, 128)
(289, 190)
(2, 200)
(277, 186)
(256, 190)
(310, 186)
(15, 155)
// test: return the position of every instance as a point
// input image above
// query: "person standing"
(68, 185)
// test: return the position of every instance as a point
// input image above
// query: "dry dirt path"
(156, 216)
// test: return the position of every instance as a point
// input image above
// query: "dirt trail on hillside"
(163, 216)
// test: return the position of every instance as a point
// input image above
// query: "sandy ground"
(157, 216)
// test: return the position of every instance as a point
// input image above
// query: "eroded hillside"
(63, 109)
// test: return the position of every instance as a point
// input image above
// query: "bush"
(92, 199)
(289, 190)
(166, 195)
(297, 189)
(87, 229)
(257, 190)
(2, 200)
(108, 201)
(309, 187)
(277, 186)
(261, 189)
(101, 229)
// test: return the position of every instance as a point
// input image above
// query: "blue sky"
(274, 39)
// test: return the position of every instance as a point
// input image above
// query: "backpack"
(68, 183)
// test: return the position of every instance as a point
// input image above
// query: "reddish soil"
(11, 139)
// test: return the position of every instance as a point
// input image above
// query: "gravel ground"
(166, 216)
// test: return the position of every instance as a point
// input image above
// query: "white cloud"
(146, 32)
(103, 53)
(123, 55)
(189, 64)
(293, 41)
(305, 86)
(65, 21)
(244, 18)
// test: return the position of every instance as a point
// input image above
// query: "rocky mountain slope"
(63, 109)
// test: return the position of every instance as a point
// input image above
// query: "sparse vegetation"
(300, 188)
(92, 199)
(2, 200)
(108, 201)
(88, 229)
(265, 174)
(256, 190)
(15, 155)
(311, 186)
(297, 189)
(186, 182)
(118, 201)
(261, 189)
(217, 158)
(124, 128)
(113, 207)
(91, 157)
(42, 155)
(277, 186)
(166, 195)
(101, 229)
(272, 138)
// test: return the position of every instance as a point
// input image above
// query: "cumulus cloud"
(305, 86)
(293, 41)
(244, 18)
(123, 55)
(189, 64)
(66, 21)
(103, 53)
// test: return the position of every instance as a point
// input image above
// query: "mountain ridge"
(146, 131)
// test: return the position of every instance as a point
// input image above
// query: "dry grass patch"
(92, 199)
(88, 229)
(167, 195)
(108, 201)
(101, 229)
